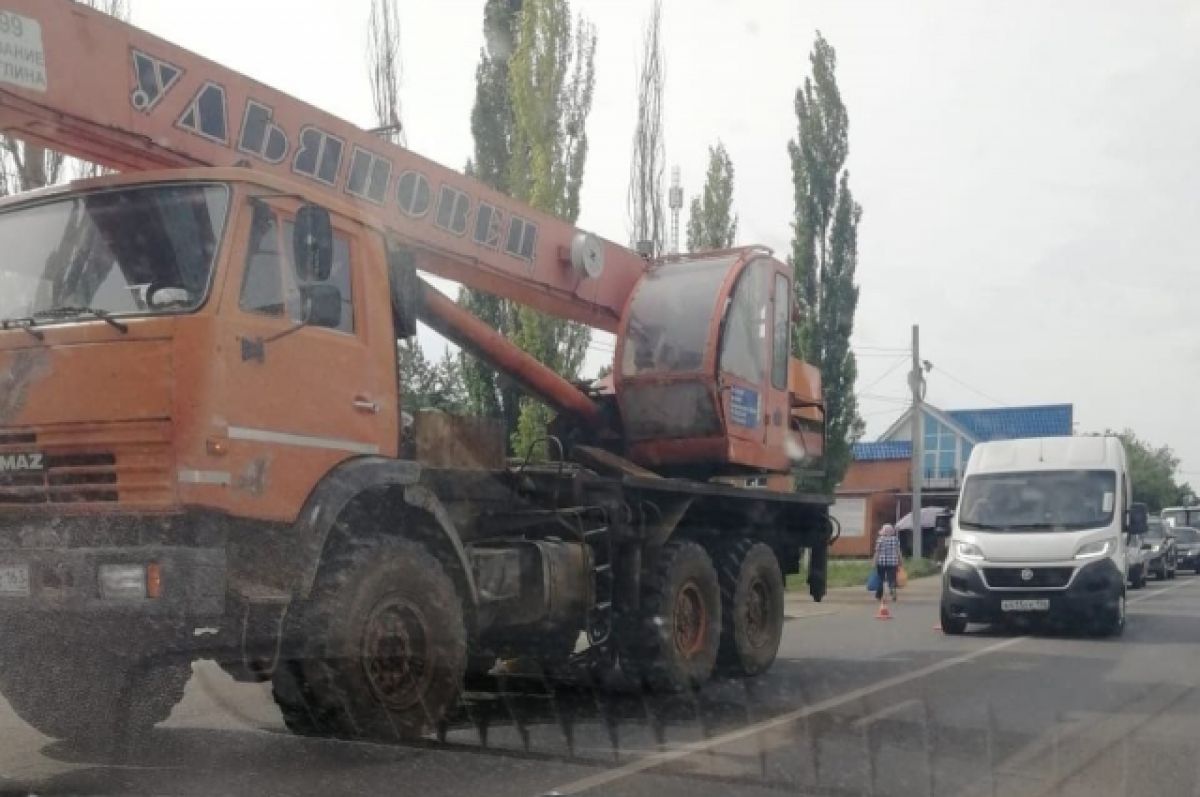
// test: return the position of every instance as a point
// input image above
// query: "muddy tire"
(674, 644)
(751, 608)
(378, 652)
(85, 694)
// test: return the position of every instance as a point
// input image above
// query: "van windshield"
(1038, 500)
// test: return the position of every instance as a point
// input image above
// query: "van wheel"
(751, 608)
(1111, 622)
(951, 625)
(379, 652)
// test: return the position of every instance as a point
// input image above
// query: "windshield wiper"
(967, 524)
(67, 311)
(26, 324)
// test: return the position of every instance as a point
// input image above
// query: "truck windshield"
(123, 252)
(1181, 517)
(1185, 535)
(1038, 500)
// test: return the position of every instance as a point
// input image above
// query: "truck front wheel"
(751, 607)
(379, 651)
(674, 645)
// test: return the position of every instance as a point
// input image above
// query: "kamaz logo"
(20, 462)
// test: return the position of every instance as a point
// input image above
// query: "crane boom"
(175, 108)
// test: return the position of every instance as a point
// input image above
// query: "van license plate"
(14, 580)
(1037, 605)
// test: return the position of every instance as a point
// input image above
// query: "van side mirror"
(1139, 518)
(322, 305)
(312, 243)
(405, 288)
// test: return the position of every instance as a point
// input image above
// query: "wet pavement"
(854, 706)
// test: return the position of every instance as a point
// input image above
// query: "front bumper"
(1095, 588)
(65, 581)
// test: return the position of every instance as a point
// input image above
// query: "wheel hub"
(691, 620)
(757, 618)
(396, 654)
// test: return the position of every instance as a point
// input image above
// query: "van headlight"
(969, 551)
(1095, 549)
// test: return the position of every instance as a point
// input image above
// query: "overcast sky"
(1029, 171)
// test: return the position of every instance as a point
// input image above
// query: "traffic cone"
(884, 613)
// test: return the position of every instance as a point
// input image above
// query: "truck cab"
(1042, 533)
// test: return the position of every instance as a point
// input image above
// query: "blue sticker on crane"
(743, 406)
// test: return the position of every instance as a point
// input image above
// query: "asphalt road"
(855, 706)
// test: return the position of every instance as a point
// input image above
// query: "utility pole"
(916, 382)
(675, 200)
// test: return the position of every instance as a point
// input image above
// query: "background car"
(1136, 560)
(1158, 545)
(1187, 547)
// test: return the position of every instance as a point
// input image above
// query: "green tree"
(647, 218)
(1154, 472)
(534, 89)
(825, 252)
(712, 223)
(429, 385)
(492, 128)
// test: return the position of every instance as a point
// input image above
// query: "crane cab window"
(744, 342)
(782, 343)
(269, 285)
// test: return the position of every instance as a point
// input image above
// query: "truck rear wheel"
(379, 652)
(674, 645)
(86, 695)
(751, 607)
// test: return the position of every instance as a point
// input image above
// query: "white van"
(1041, 533)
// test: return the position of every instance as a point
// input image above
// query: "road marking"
(888, 711)
(659, 759)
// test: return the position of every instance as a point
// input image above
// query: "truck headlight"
(969, 551)
(1095, 549)
(122, 582)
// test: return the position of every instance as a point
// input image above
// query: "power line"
(879, 397)
(896, 349)
(886, 373)
(976, 391)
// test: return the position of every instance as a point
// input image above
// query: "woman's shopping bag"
(901, 576)
(873, 581)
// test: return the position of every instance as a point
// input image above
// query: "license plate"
(14, 580)
(1028, 605)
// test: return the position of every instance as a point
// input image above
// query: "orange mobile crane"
(202, 446)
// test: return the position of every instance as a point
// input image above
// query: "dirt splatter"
(25, 367)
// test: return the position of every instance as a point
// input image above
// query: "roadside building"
(877, 488)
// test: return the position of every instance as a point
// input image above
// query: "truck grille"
(1040, 578)
(87, 466)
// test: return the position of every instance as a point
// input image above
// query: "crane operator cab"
(705, 379)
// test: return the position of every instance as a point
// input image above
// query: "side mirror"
(312, 244)
(1138, 518)
(405, 287)
(322, 305)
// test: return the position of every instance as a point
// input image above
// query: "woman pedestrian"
(887, 561)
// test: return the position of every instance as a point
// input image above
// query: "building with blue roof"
(877, 485)
(949, 436)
